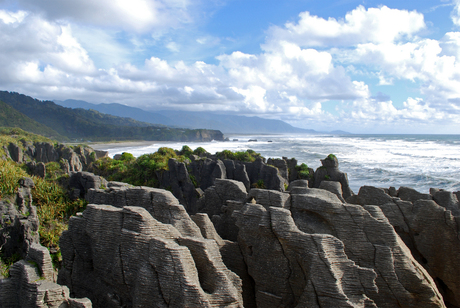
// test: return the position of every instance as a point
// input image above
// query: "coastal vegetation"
(63, 124)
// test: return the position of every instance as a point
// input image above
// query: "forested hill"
(10, 117)
(95, 126)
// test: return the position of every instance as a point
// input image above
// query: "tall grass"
(54, 207)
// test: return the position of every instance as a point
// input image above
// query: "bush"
(54, 208)
(243, 156)
(303, 172)
(199, 151)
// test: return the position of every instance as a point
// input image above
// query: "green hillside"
(95, 126)
(10, 117)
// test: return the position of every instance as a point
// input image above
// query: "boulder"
(16, 153)
(80, 182)
(334, 187)
(45, 152)
(160, 203)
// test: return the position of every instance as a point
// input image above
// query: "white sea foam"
(416, 161)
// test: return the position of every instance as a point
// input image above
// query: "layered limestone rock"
(429, 228)
(32, 279)
(124, 257)
(19, 222)
(72, 159)
(371, 242)
(329, 171)
(291, 268)
(219, 202)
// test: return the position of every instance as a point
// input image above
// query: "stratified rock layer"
(144, 252)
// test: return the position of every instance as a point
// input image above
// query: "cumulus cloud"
(456, 13)
(376, 25)
(291, 78)
(132, 15)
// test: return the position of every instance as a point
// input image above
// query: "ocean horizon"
(419, 161)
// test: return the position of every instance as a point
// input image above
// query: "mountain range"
(61, 123)
(192, 120)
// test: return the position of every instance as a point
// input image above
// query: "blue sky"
(360, 66)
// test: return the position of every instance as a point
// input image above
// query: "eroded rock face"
(371, 242)
(294, 269)
(124, 257)
(330, 171)
(32, 279)
(429, 229)
(219, 202)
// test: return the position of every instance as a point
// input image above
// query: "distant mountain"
(119, 111)
(94, 125)
(193, 120)
(10, 117)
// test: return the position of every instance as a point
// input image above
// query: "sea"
(418, 161)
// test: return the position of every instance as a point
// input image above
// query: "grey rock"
(45, 152)
(123, 257)
(282, 167)
(161, 204)
(269, 198)
(410, 194)
(448, 200)
(334, 187)
(370, 241)
(16, 153)
(83, 181)
(431, 232)
(269, 175)
(219, 202)
(373, 196)
(26, 288)
(330, 171)
(294, 269)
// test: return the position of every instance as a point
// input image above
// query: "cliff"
(234, 233)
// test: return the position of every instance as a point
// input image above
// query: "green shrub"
(186, 151)
(331, 157)
(54, 207)
(199, 151)
(259, 184)
(243, 156)
(303, 172)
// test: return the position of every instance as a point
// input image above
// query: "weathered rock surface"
(370, 241)
(25, 288)
(32, 279)
(219, 202)
(124, 257)
(330, 171)
(429, 229)
(72, 159)
(19, 222)
(293, 269)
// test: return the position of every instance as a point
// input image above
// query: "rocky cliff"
(310, 245)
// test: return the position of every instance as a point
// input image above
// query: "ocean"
(417, 161)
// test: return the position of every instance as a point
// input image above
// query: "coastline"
(122, 144)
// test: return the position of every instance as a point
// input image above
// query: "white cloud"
(456, 13)
(376, 25)
(290, 78)
(11, 17)
(130, 15)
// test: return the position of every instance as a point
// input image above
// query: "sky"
(360, 66)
